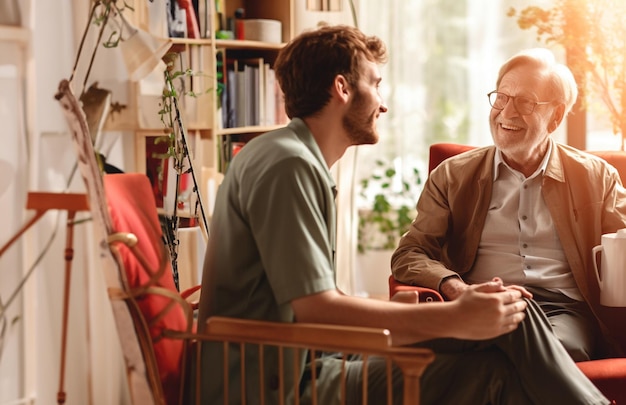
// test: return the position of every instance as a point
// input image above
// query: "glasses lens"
(498, 100)
(523, 105)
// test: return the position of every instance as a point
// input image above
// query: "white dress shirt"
(519, 242)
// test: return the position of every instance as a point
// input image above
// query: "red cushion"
(441, 151)
(424, 294)
(609, 375)
(132, 208)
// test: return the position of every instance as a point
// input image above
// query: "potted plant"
(387, 199)
(388, 206)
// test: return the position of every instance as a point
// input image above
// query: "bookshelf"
(209, 57)
(251, 101)
(212, 55)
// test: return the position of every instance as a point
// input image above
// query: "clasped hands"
(482, 311)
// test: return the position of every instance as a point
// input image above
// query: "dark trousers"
(572, 322)
(526, 366)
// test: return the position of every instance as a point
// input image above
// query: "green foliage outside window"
(392, 198)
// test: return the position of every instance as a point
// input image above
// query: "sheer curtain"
(13, 166)
(444, 57)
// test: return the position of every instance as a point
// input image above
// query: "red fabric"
(132, 208)
(609, 375)
(441, 151)
(425, 294)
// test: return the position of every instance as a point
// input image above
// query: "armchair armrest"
(425, 294)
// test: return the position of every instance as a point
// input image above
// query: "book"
(205, 15)
(252, 69)
(269, 104)
(240, 100)
(253, 96)
(191, 19)
(248, 102)
(230, 120)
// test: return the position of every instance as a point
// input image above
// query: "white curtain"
(444, 57)
(13, 166)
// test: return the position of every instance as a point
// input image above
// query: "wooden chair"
(164, 320)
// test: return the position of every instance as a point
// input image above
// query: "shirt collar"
(303, 133)
(499, 160)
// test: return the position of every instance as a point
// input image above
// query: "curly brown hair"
(307, 66)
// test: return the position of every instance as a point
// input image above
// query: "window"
(444, 57)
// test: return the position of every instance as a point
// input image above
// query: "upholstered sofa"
(609, 375)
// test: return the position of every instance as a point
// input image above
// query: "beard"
(359, 124)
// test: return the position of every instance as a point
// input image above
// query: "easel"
(42, 202)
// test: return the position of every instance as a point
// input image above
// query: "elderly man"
(527, 210)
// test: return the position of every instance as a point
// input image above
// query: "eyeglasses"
(523, 105)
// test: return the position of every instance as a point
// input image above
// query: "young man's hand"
(489, 309)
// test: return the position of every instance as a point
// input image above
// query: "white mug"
(612, 274)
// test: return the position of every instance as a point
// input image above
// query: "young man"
(271, 254)
(528, 209)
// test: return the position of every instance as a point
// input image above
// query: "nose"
(509, 109)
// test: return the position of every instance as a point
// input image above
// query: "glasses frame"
(534, 105)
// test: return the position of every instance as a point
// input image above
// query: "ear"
(341, 88)
(557, 117)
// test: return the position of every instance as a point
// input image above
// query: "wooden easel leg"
(69, 256)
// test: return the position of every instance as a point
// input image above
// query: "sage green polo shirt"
(272, 240)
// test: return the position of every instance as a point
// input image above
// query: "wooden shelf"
(247, 130)
(234, 44)
(179, 44)
(9, 33)
(205, 133)
(190, 41)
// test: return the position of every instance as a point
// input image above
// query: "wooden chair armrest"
(327, 338)
(189, 292)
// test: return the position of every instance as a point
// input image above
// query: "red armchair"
(609, 375)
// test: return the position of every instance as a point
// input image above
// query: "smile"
(510, 127)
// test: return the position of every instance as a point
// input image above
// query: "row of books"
(251, 95)
(197, 19)
(230, 146)
(189, 18)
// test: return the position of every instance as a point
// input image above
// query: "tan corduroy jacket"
(583, 193)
